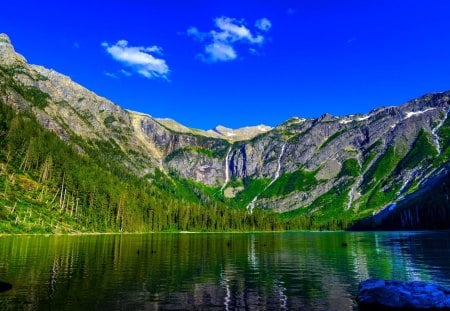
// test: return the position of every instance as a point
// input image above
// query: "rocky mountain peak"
(326, 117)
(4, 38)
(222, 129)
(7, 54)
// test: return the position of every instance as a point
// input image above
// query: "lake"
(248, 271)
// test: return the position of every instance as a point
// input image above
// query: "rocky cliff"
(351, 166)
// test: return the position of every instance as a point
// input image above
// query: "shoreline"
(161, 232)
(206, 232)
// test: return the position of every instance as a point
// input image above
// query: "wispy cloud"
(220, 43)
(139, 59)
(263, 24)
(111, 75)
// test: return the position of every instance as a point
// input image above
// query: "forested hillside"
(48, 186)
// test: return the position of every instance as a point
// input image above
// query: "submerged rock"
(4, 286)
(376, 294)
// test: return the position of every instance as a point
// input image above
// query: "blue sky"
(233, 63)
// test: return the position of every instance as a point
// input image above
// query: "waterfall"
(251, 205)
(277, 173)
(436, 136)
(227, 173)
(351, 193)
(350, 196)
(405, 183)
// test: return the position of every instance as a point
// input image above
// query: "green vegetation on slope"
(350, 167)
(299, 180)
(381, 168)
(29, 93)
(332, 137)
(444, 134)
(370, 153)
(379, 186)
(426, 209)
(422, 150)
(47, 186)
(252, 188)
(327, 212)
(329, 209)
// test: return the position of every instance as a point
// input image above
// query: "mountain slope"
(47, 186)
(328, 171)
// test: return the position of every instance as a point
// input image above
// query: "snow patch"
(415, 113)
(363, 118)
(345, 121)
(352, 118)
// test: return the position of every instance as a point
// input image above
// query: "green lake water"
(261, 271)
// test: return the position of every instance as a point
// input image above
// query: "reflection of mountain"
(312, 271)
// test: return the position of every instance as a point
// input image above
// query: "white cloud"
(139, 59)
(219, 51)
(221, 42)
(233, 30)
(263, 24)
(154, 49)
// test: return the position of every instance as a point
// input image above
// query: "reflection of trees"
(422, 255)
(227, 271)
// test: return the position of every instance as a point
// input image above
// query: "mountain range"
(388, 168)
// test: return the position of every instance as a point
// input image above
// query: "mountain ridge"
(339, 168)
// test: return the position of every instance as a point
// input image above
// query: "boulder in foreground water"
(4, 286)
(376, 294)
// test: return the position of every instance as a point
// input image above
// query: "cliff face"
(371, 146)
(326, 166)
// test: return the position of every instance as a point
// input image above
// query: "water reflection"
(310, 271)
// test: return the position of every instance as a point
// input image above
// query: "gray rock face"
(376, 294)
(196, 165)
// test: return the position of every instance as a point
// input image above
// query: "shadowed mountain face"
(341, 168)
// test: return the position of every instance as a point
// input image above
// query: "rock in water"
(376, 294)
(4, 286)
